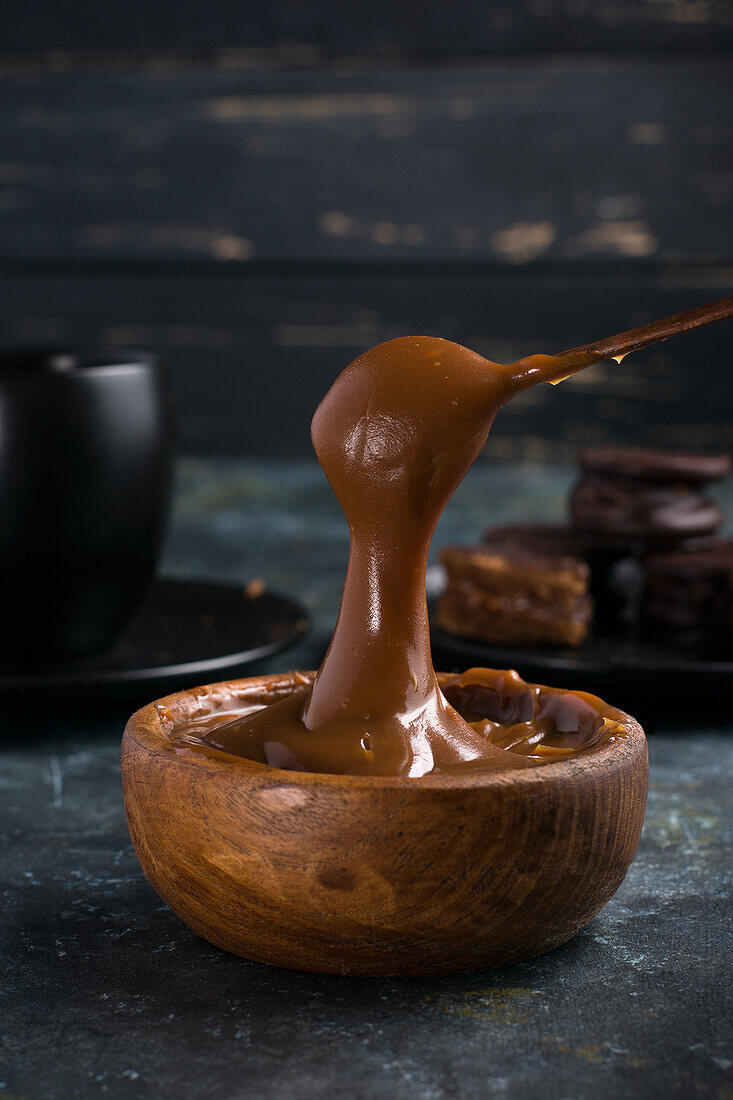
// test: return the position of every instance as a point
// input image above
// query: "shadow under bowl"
(376, 875)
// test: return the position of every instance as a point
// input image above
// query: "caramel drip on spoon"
(556, 368)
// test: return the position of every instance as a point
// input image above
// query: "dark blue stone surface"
(106, 993)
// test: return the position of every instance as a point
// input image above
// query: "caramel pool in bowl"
(371, 875)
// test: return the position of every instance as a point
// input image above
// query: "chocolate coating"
(659, 467)
(690, 595)
(617, 509)
(549, 540)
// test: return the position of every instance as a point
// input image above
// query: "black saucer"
(184, 632)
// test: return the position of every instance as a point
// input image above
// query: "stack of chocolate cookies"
(641, 552)
(650, 510)
(688, 596)
(629, 497)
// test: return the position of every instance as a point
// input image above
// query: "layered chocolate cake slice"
(615, 575)
(507, 592)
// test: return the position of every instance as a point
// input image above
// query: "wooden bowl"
(376, 876)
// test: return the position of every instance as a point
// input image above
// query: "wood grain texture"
(349, 875)
(513, 161)
(328, 26)
(653, 332)
(251, 351)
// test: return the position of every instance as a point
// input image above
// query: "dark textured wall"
(261, 191)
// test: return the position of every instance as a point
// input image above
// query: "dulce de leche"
(395, 434)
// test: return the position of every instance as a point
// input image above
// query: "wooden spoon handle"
(554, 368)
(637, 338)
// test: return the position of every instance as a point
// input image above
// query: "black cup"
(85, 477)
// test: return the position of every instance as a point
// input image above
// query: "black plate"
(184, 632)
(624, 671)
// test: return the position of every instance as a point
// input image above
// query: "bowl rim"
(148, 728)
